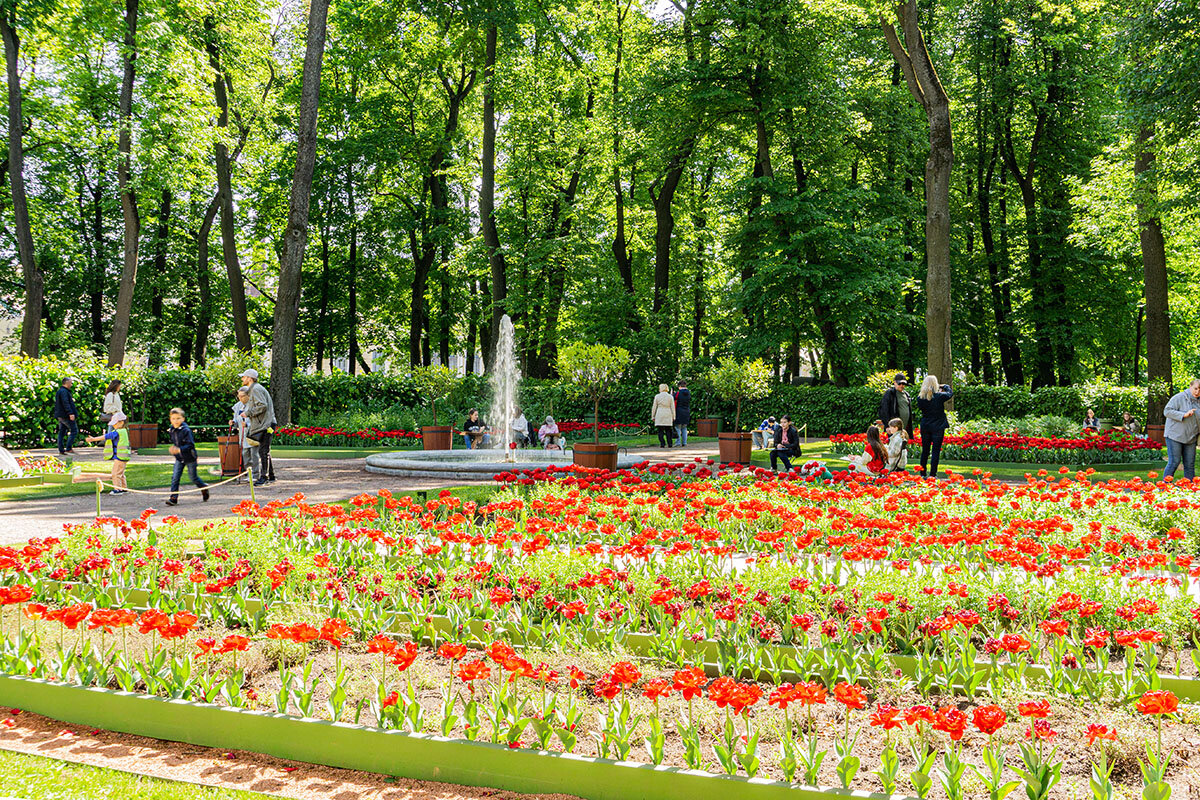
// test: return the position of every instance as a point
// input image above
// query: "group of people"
(671, 413)
(253, 418)
(896, 423)
(477, 434)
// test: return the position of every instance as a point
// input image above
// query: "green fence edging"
(415, 756)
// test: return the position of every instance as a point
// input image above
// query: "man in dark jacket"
(64, 412)
(787, 444)
(896, 404)
(683, 413)
(183, 447)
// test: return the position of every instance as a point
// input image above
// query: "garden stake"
(250, 477)
(99, 486)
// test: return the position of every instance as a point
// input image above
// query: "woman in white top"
(112, 403)
(662, 412)
(897, 446)
(519, 427)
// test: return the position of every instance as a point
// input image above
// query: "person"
(896, 403)
(183, 447)
(475, 431)
(1131, 424)
(683, 413)
(116, 450)
(1090, 421)
(897, 446)
(764, 431)
(662, 413)
(931, 401)
(112, 403)
(1180, 429)
(64, 412)
(519, 428)
(873, 461)
(549, 435)
(260, 423)
(242, 426)
(786, 444)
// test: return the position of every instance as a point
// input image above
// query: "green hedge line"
(27, 390)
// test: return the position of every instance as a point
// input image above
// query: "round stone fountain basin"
(468, 464)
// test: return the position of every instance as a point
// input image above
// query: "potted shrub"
(735, 381)
(593, 369)
(435, 383)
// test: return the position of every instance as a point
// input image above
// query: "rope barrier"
(169, 493)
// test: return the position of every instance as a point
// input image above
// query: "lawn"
(37, 778)
(139, 476)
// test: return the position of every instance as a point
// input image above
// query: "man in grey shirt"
(1181, 428)
(260, 424)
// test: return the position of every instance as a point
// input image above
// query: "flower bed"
(314, 436)
(1112, 447)
(514, 622)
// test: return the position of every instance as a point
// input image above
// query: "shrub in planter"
(736, 381)
(435, 383)
(593, 369)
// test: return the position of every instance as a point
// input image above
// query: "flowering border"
(415, 756)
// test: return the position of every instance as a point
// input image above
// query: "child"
(897, 447)
(241, 423)
(874, 457)
(183, 447)
(116, 449)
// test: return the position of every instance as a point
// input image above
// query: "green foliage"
(224, 374)
(735, 381)
(435, 383)
(593, 369)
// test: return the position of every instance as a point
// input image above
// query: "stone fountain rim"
(468, 464)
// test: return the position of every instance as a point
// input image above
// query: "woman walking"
(663, 413)
(112, 404)
(932, 402)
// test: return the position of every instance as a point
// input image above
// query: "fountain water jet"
(504, 379)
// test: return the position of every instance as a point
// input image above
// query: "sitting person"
(874, 457)
(1091, 421)
(897, 446)
(763, 432)
(1131, 424)
(787, 444)
(519, 428)
(475, 431)
(548, 434)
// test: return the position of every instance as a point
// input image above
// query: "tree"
(593, 369)
(926, 89)
(735, 381)
(295, 236)
(129, 207)
(31, 324)
(435, 383)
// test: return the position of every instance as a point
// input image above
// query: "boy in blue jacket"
(183, 447)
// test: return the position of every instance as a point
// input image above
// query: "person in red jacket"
(873, 461)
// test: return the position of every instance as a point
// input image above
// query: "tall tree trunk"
(1006, 333)
(445, 311)
(129, 210)
(295, 236)
(31, 323)
(187, 337)
(1154, 272)
(323, 308)
(472, 322)
(237, 285)
(204, 281)
(664, 221)
(487, 192)
(161, 247)
(926, 88)
(97, 278)
(422, 255)
(352, 312)
(620, 245)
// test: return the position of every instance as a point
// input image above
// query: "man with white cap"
(260, 423)
(116, 450)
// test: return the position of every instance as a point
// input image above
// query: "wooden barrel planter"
(231, 455)
(143, 435)
(708, 428)
(437, 437)
(734, 448)
(599, 456)
(1155, 432)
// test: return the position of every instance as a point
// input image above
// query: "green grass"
(38, 778)
(138, 476)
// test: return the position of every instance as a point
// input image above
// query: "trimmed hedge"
(27, 389)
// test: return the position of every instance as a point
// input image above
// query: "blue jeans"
(681, 434)
(1180, 453)
(487, 439)
(178, 473)
(68, 429)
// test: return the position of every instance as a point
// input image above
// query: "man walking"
(64, 412)
(896, 403)
(1182, 426)
(260, 422)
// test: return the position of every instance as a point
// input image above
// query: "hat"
(250, 373)
(901, 378)
(549, 420)
(770, 419)
(118, 417)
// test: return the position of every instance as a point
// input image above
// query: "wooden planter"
(231, 455)
(734, 448)
(1155, 432)
(143, 435)
(599, 456)
(437, 437)
(708, 428)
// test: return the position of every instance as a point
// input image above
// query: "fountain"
(481, 464)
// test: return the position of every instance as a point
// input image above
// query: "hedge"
(27, 389)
